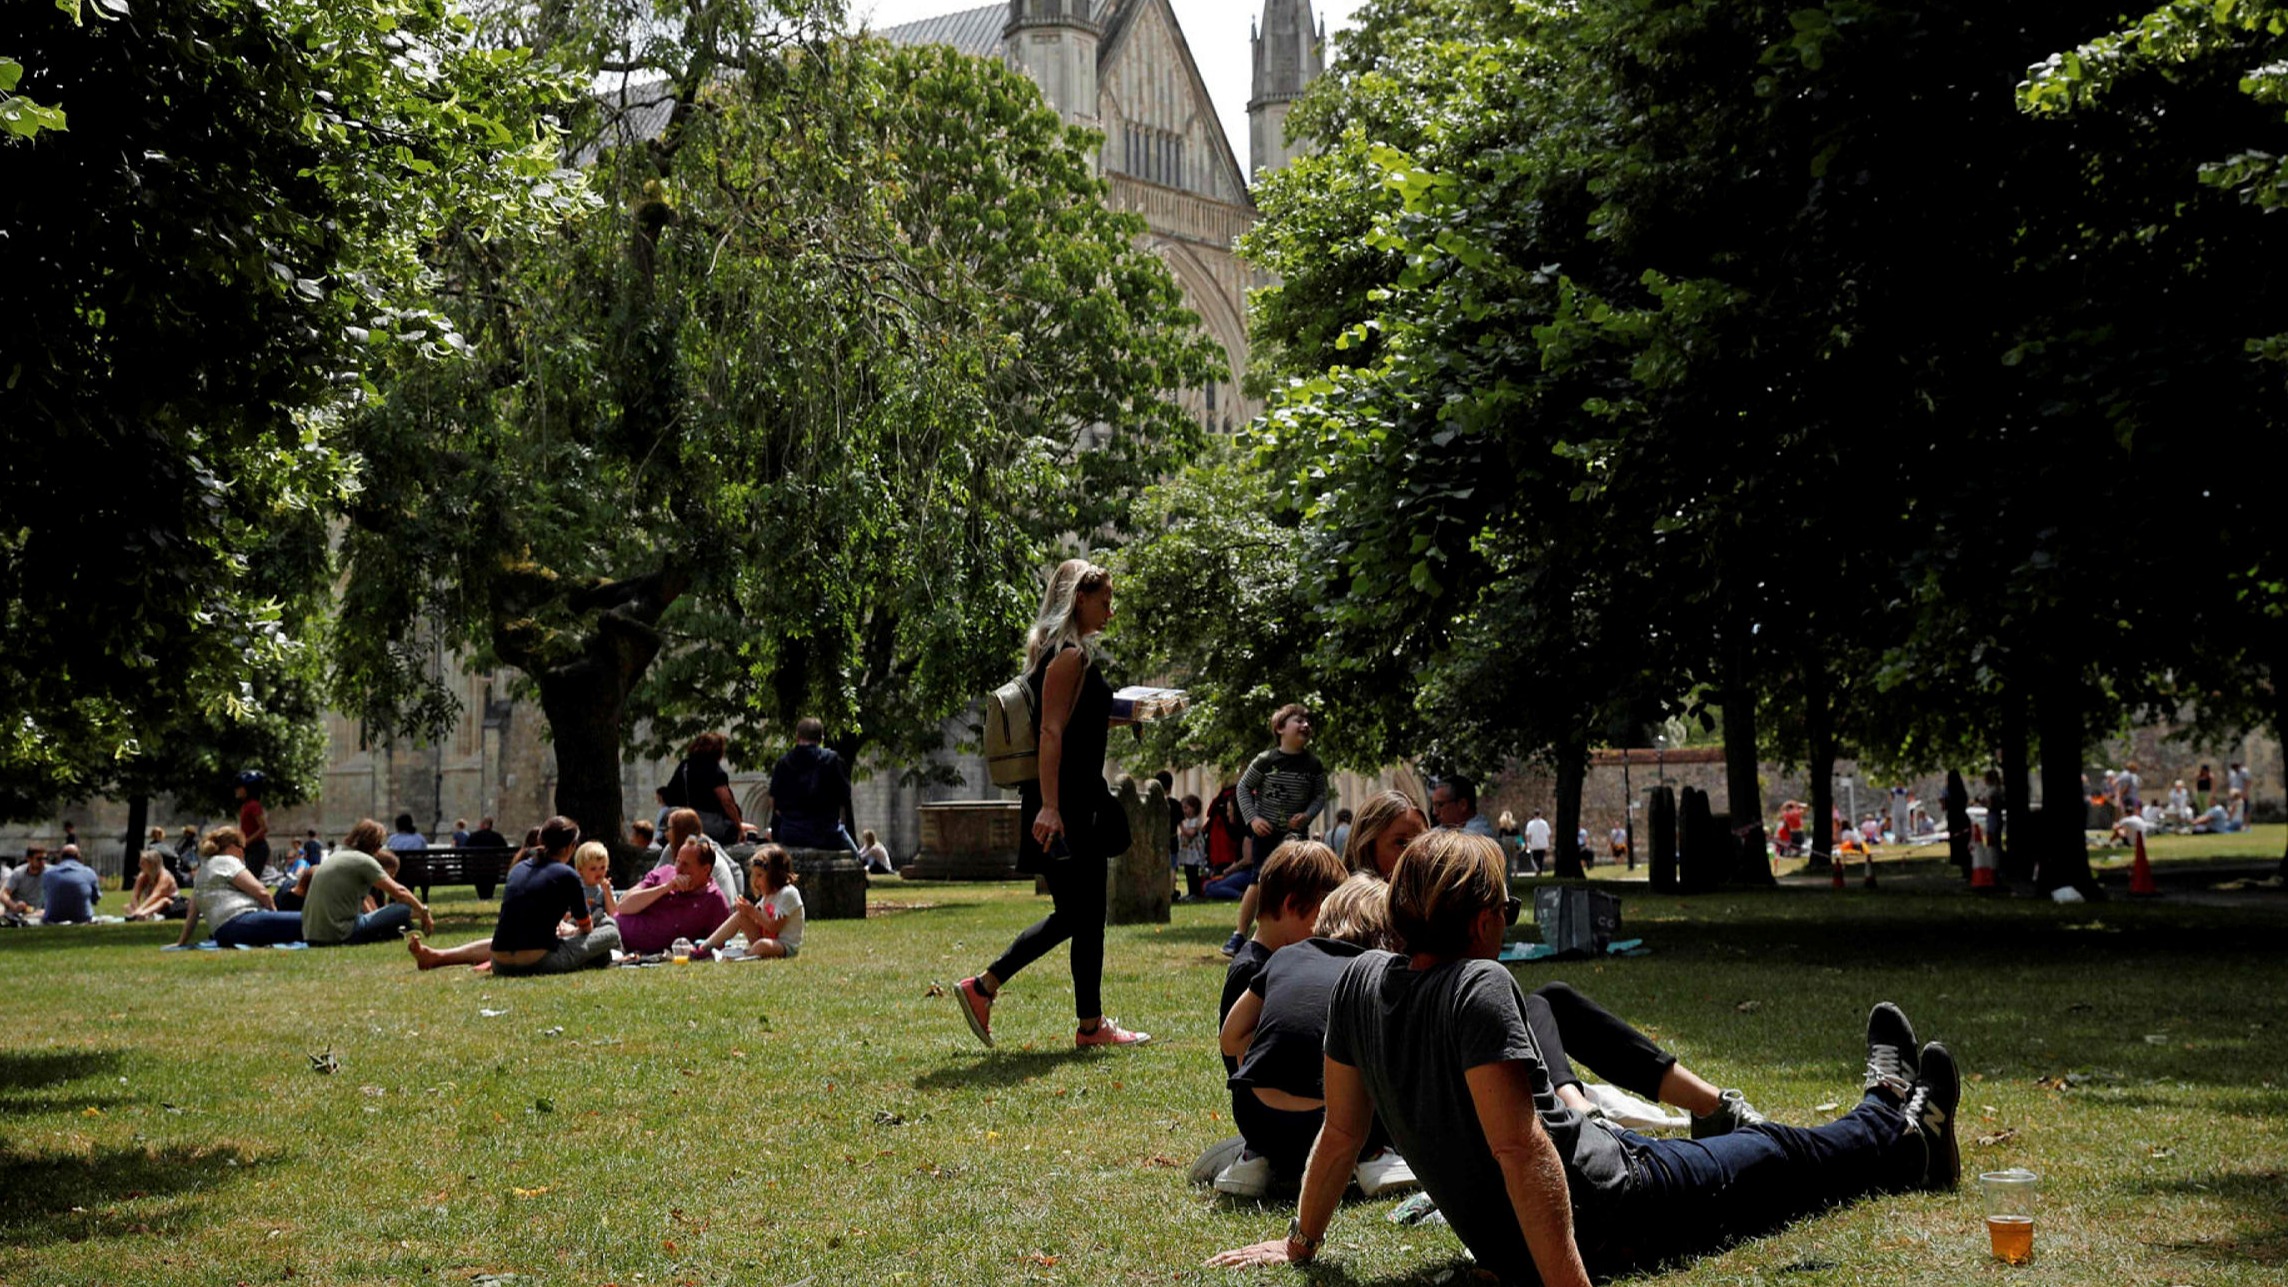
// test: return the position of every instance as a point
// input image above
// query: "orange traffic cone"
(1981, 860)
(1835, 865)
(2141, 872)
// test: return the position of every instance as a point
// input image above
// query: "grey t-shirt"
(24, 886)
(1412, 1035)
(337, 891)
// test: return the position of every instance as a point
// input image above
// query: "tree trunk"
(585, 698)
(1662, 811)
(586, 718)
(1743, 792)
(2017, 785)
(1819, 745)
(1572, 771)
(138, 822)
(2062, 852)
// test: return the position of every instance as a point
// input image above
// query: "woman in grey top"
(240, 908)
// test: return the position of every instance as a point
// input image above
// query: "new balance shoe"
(1218, 1156)
(1231, 945)
(1733, 1112)
(1930, 1107)
(1385, 1172)
(1108, 1033)
(1248, 1176)
(977, 1008)
(1891, 1067)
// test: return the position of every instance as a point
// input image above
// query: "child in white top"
(772, 920)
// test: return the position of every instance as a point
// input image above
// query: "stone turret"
(1054, 42)
(1290, 53)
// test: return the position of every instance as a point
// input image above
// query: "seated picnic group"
(1370, 1037)
(558, 909)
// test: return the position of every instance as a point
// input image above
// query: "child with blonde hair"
(594, 863)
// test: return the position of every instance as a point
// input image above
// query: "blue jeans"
(1691, 1196)
(260, 929)
(802, 833)
(384, 922)
(1230, 889)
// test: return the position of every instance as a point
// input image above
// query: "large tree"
(1789, 315)
(788, 425)
(200, 269)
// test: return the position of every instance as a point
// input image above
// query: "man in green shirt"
(332, 910)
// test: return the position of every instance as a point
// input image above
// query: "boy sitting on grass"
(1296, 877)
(1278, 1030)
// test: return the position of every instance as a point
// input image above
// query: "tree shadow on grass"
(26, 1074)
(2260, 1200)
(1000, 1068)
(70, 1197)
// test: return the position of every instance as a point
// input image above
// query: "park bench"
(484, 868)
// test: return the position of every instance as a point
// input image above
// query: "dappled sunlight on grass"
(829, 1118)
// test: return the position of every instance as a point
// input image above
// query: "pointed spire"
(1290, 50)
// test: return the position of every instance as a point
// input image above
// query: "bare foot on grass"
(424, 956)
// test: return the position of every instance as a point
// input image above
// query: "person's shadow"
(72, 1196)
(1001, 1068)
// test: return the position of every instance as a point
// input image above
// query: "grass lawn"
(827, 1120)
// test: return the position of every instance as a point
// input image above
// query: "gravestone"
(832, 881)
(1139, 886)
(967, 840)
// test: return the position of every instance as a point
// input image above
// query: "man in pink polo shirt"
(673, 902)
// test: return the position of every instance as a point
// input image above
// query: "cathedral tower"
(1054, 42)
(1290, 53)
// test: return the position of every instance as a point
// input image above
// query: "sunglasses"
(1510, 908)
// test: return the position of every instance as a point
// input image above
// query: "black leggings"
(1286, 1136)
(1076, 897)
(1564, 1022)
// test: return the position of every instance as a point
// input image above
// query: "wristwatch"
(1295, 1238)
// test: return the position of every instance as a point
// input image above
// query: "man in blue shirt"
(72, 890)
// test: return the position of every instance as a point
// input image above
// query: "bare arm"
(190, 922)
(641, 897)
(1239, 1025)
(1530, 1167)
(1059, 688)
(245, 883)
(1325, 1177)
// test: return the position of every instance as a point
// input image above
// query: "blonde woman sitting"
(157, 895)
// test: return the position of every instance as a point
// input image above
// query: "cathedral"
(1124, 69)
(1119, 67)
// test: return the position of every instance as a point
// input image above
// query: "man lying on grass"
(1436, 1042)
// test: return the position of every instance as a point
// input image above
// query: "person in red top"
(253, 820)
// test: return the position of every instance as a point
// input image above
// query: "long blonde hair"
(1058, 622)
(1374, 818)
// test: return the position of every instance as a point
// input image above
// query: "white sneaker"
(1216, 1158)
(1249, 1176)
(1385, 1172)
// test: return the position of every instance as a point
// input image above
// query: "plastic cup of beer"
(2010, 1212)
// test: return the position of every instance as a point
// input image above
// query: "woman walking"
(1072, 825)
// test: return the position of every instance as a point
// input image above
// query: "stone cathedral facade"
(1124, 69)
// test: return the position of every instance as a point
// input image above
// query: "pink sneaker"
(1109, 1033)
(975, 1007)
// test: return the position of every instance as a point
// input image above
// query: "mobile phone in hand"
(1058, 849)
